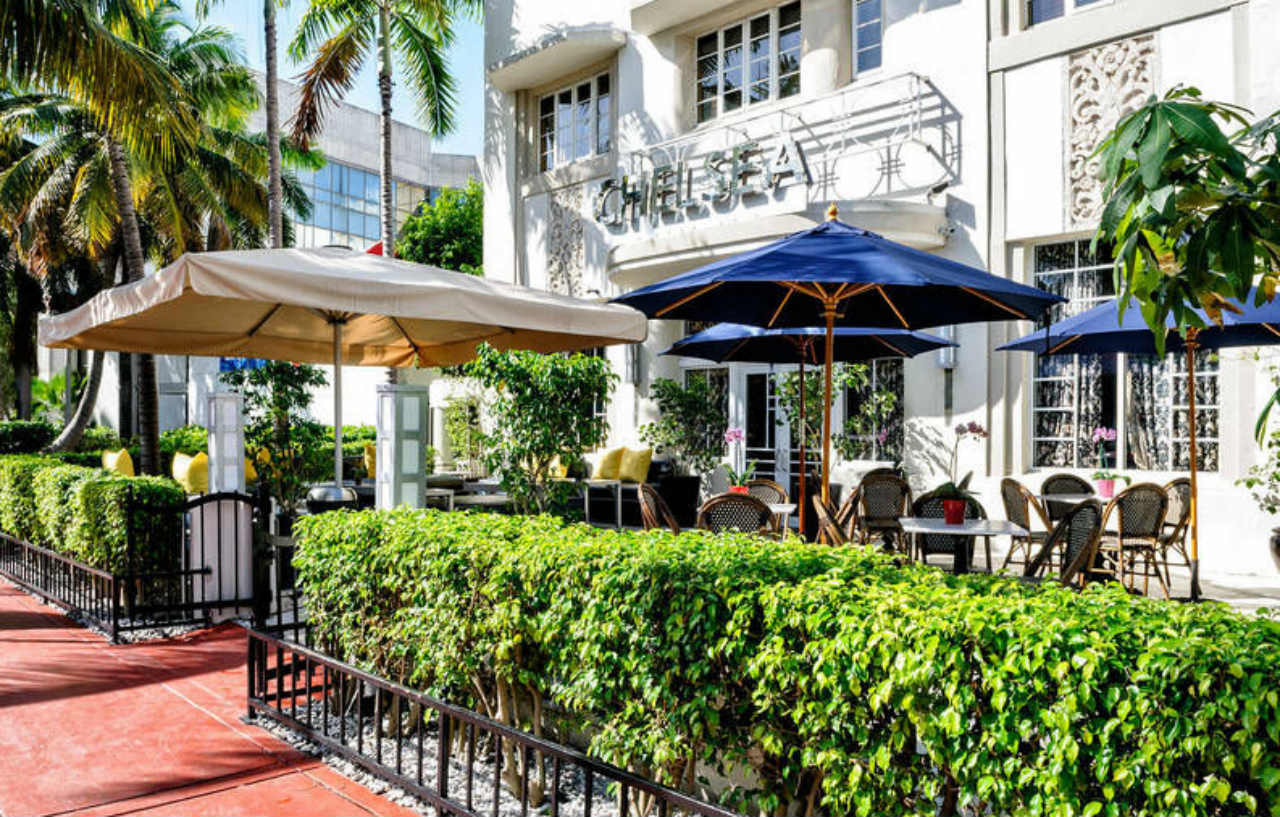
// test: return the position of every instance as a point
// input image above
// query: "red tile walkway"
(87, 727)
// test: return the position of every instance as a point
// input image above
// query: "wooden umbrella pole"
(830, 314)
(1192, 345)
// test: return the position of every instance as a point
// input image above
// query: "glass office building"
(344, 203)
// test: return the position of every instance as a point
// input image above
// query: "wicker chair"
(882, 499)
(847, 516)
(1019, 507)
(832, 531)
(767, 491)
(1075, 539)
(1063, 484)
(930, 506)
(1177, 521)
(735, 512)
(655, 514)
(1140, 515)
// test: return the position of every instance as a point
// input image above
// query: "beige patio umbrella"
(334, 306)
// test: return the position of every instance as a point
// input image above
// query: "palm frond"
(330, 76)
(434, 86)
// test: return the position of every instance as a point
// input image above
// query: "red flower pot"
(1106, 488)
(737, 489)
(953, 511)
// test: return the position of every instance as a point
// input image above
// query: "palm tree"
(343, 34)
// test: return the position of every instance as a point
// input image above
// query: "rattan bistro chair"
(1020, 508)
(1135, 541)
(882, 499)
(767, 491)
(833, 533)
(1062, 484)
(655, 514)
(1177, 521)
(930, 506)
(735, 512)
(1075, 540)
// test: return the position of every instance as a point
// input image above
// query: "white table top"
(1069, 499)
(438, 492)
(782, 508)
(482, 499)
(970, 527)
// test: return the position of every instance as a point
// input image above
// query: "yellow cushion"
(371, 460)
(635, 464)
(250, 473)
(118, 461)
(192, 472)
(608, 464)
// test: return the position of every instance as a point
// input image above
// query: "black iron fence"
(457, 761)
(211, 564)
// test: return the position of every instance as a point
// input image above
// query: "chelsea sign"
(718, 178)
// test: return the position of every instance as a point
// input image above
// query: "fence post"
(261, 556)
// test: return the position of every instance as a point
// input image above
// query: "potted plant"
(738, 480)
(1105, 477)
(689, 431)
(955, 492)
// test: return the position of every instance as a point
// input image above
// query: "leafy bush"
(18, 512)
(114, 518)
(829, 678)
(53, 509)
(25, 436)
(690, 426)
(447, 233)
(97, 439)
(189, 440)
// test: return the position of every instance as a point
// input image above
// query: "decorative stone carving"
(1103, 84)
(566, 242)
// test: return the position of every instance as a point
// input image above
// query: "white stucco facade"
(966, 140)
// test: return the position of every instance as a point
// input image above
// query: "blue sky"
(244, 19)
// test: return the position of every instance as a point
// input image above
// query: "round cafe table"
(969, 527)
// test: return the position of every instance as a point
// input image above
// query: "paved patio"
(91, 728)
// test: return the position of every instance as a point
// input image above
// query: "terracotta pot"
(953, 511)
(737, 489)
(1106, 488)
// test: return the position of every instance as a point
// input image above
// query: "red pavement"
(91, 728)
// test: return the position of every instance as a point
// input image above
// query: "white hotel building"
(962, 127)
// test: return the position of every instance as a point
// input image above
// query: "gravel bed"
(572, 780)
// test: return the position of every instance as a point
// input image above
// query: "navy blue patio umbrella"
(1103, 330)
(726, 342)
(834, 274)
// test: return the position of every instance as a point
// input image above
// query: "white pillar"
(226, 442)
(402, 441)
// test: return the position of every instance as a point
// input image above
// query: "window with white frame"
(1141, 396)
(884, 442)
(1039, 11)
(868, 34)
(575, 122)
(751, 61)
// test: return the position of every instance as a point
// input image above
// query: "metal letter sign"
(726, 176)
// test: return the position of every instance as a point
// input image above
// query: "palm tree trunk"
(79, 420)
(135, 269)
(27, 308)
(384, 92)
(275, 193)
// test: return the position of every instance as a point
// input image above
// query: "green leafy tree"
(545, 408)
(338, 36)
(690, 426)
(449, 232)
(1193, 214)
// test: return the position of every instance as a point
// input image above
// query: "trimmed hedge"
(25, 436)
(830, 679)
(84, 513)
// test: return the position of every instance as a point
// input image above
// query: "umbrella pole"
(337, 405)
(1195, 520)
(830, 314)
(804, 475)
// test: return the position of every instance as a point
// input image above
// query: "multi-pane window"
(1142, 397)
(346, 206)
(884, 441)
(761, 424)
(1038, 11)
(718, 380)
(749, 62)
(575, 122)
(868, 34)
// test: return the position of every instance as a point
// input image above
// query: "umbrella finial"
(833, 212)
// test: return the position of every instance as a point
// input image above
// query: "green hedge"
(25, 436)
(816, 672)
(84, 513)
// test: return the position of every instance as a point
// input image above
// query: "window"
(575, 122)
(749, 62)
(346, 206)
(1038, 11)
(884, 441)
(868, 28)
(761, 425)
(1142, 397)
(718, 380)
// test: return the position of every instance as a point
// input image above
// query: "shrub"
(18, 512)
(25, 436)
(97, 439)
(189, 440)
(53, 507)
(114, 518)
(831, 678)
